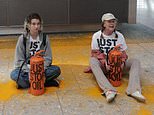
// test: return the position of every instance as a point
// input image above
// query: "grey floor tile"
(128, 105)
(80, 103)
(1, 108)
(27, 104)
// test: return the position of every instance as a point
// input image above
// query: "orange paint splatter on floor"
(7, 90)
(148, 92)
(144, 111)
(73, 55)
(94, 92)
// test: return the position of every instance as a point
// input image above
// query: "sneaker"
(137, 95)
(110, 95)
(50, 83)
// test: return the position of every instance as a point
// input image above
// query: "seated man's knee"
(53, 69)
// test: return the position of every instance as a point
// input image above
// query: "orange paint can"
(115, 62)
(37, 74)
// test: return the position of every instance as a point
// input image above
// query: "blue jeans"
(51, 73)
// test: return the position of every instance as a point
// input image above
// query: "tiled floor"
(79, 93)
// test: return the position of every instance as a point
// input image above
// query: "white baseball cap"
(108, 16)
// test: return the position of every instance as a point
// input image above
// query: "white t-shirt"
(34, 45)
(105, 43)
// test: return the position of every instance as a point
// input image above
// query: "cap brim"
(111, 19)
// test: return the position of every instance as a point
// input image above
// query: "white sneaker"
(110, 95)
(137, 95)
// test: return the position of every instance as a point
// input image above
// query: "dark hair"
(102, 26)
(33, 16)
(28, 21)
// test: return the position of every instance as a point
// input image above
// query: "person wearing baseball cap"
(108, 16)
(103, 41)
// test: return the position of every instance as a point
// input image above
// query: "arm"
(20, 54)
(48, 53)
(123, 47)
(97, 54)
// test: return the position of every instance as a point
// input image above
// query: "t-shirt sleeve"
(123, 43)
(124, 46)
(94, 44)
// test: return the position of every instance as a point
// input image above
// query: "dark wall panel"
(52, 11)
(3, 12)
(83, 11)
(90, 11)
(13, 12)
(118, 8)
